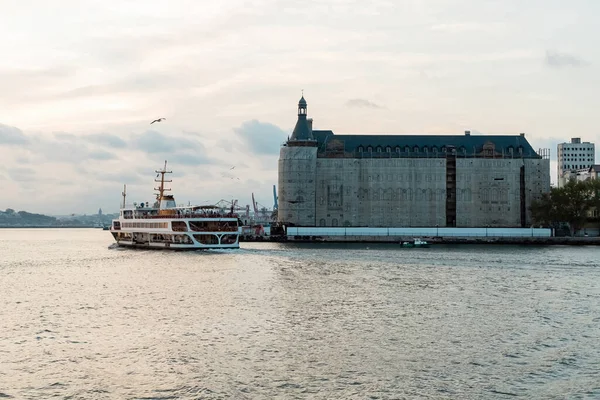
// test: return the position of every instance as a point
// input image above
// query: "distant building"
(100, 211)
(408, 180)
(574, 158)
(590, 173)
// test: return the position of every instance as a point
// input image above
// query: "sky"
(80, 82)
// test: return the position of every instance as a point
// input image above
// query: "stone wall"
(404, 192)
(380, 192)
(296, 188)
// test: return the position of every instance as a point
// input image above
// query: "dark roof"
(301, 130)
(467, 144)
(594, 168)
(302, 102)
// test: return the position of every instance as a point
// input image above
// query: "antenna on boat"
(161, 189)
(124, 194)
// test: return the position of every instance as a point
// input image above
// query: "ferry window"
(379, 149)
(388, 149)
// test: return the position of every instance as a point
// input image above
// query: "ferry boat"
(164, 225)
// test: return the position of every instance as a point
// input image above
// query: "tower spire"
(302, 130)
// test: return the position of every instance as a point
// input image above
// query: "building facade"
(407, 180)
(574, 159)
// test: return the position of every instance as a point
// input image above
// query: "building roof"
(301, 130)
(594, 168)
(466, 144)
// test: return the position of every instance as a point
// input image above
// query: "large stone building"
(407, 180)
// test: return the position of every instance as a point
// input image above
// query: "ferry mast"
(161, 189)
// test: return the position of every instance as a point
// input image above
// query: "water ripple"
(295, 321)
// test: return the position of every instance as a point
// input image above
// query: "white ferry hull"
(173, 246)
(164, 234)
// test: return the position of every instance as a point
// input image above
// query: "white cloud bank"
(82, 80)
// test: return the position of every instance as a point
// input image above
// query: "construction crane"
(254, 206)
(260, 212)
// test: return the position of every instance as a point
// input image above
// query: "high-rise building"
(573, 158)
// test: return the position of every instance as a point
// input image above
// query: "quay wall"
(417, 232)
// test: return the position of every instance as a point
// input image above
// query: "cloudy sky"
(80, 81)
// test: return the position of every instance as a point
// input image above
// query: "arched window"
(443, 149)
(379, 149)
(406, 149)
(425, 149)
(416, 149)
(398, 149)
(369, 149)
(334, 222)
(388, 149)
(360, 149)
(322, 222)
(434, 149)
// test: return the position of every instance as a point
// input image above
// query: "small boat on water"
(164, 225)
(417, 242)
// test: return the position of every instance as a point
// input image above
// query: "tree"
(594, 201)
(569, 204)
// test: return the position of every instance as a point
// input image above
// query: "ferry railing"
(182, 216)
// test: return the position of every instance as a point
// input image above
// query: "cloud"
(12, 136)
(22, 174)
(101, 155)
(261, 137)
(362, 103)
(153, 142)
(191, 159)
(106, 139)
(559, 60)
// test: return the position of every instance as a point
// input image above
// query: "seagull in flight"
(157, 120)
(232, 167)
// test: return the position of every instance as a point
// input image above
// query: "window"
(388, 149)
(360, 149)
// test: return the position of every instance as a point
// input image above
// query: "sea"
(82, 320)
